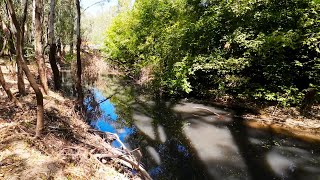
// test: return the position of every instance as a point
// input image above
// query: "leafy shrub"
(267, 50)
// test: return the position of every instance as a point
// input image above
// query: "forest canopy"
(253, 49)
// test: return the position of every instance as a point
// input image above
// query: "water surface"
(185, 139)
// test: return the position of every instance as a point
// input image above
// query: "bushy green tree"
(262, 49)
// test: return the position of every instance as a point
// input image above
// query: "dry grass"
(68, 148)
(62, 153)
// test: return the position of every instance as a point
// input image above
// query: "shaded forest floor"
(68, 148)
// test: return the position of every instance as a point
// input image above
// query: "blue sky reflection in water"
(196, 145)
(107, 122)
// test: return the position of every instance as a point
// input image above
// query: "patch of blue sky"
(95, 7)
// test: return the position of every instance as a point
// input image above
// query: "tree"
(34, 85)
(266, 50)
(7, 90)
(8, 45)
(53, 48)
(20, 75)
(38, 12)
(6, 36)
(79, 68)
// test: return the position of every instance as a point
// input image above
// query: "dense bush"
(262, 49)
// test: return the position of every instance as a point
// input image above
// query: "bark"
(34, 85)
(79, 68)
(6, 36)
(19, 50)
(71, 48)
(21, 85)
(71, 37)
(53, 49)
(7, 90)
(3, 46)
(38, 11)
(20, 78)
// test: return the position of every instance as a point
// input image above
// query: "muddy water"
(185, 139)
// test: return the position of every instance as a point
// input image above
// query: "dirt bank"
(288, 121)
(68, 149)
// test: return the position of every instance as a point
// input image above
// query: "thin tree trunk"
(21, 85)
(3, 46)
(79, 68)
(7, 90)
(6, 36)
(53, 48)
(20, 77)
(38, 11)
(71, 37)
(33, 83)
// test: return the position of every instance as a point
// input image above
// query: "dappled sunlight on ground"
(20, 161)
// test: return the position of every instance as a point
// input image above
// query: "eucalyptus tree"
(65, 23)
(38, 15)
(79, 68)
(53, 47)
(19, 54)
(7, 89)
(19, 48)
(5, 35)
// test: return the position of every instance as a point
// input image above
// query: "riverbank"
(68, 149)
(288, 121)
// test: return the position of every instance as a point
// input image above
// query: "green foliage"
(267, 49)
(69, 58)
(64, 21)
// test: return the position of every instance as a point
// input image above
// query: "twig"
(122, 157)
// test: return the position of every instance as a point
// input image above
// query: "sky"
(98, 8)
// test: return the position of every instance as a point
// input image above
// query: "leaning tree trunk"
(53, 49)
(20, 79)
(38, 11)
(21, 84)
(33, 83)
(7, 90)
(79, 68)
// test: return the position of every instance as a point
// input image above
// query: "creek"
(185, 139)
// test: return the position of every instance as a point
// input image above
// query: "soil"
(288, 121)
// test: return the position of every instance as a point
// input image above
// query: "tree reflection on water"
(179, 141)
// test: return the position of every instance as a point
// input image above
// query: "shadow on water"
(183, 139)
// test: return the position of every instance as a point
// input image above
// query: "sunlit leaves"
(264, 49)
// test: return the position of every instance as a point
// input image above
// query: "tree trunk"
(34, 85)
(3, 46)
(71, 48)
(53, 49)
(79, 68)
(71, 38)
(21, 85)
(7, 90)
(38, 11)
(6, 36)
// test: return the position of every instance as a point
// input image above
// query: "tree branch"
(96, 3)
